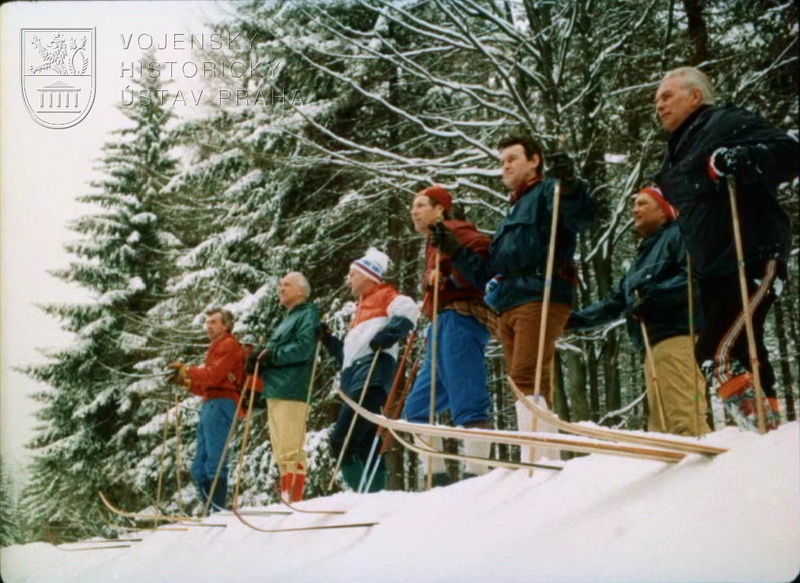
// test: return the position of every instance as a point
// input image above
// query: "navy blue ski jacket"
(519, 248)
(768, 157)
(659, 275)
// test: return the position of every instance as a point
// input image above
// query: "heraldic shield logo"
(58, 74)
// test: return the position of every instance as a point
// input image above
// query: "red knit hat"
(440, 195)
(655, 193)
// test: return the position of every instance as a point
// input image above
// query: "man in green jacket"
(286, 366)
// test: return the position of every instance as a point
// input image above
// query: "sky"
(43, 170)
(732, 518)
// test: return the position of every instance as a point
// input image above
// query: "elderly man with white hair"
(286, 367)
(707, 147)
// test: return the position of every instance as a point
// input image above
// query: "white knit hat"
(373, 264)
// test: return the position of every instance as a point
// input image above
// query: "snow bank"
(732, 518)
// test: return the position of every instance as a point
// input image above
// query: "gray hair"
(225, 315)
(301, 279)
(694, 78)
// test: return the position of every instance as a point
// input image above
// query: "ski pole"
(163, 455)
(353, 421)
(693, 339)
(434, 354)
(387, 440)
(228, 439)
(178, 460)
(245, 440)
(648, 350)
(308, 406)
(548, 286)
(389, 403)
(398, 406)
(748, 315)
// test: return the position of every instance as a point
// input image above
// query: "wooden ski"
(555, 441)
(100, 548)
(613, 435)
(304, 511)
(432, 451)
(139, 516)
(249, 524)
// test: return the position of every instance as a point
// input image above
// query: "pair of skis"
(188, 521)
(579, 438)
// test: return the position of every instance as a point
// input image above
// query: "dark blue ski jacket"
(768, 157)
(659, 275)
(519, 248)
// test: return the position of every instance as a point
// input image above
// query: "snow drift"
(735, 517)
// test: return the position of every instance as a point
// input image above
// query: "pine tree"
(10, 517)
(101, 390)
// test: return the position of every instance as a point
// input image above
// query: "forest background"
(360, 104)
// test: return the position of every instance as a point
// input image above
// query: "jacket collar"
(521, 190)
(678, 137)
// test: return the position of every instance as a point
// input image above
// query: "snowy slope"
(733, 518)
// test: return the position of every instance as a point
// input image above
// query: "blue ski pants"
(461, 384)
(216, 417)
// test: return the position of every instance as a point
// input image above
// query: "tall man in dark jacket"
(518, 258)
(654, 292)
(706, 146)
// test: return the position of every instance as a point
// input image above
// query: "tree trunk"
(576, 375)
(697, 30)
(785, 365)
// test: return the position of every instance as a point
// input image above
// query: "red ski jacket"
(222, 373)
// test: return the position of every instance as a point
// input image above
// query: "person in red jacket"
(464, 326)
(217, 382)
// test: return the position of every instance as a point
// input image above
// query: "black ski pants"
(722, 349)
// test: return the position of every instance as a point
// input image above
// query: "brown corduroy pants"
(519, 334)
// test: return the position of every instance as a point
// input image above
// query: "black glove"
(258, 354)
(729, 161)
(323, 331)
(381, 342)
(562, 168)
(257, 403)
(443, 238)
(396, 328)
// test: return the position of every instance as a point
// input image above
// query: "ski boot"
(738, 396)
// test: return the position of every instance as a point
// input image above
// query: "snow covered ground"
(732, 518)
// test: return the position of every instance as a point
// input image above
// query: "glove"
(443, 239)
(258, 354)
(381, 342)
(562, 168)
(257, 404)
(726, 161)
(323, 331)
(180, 376)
